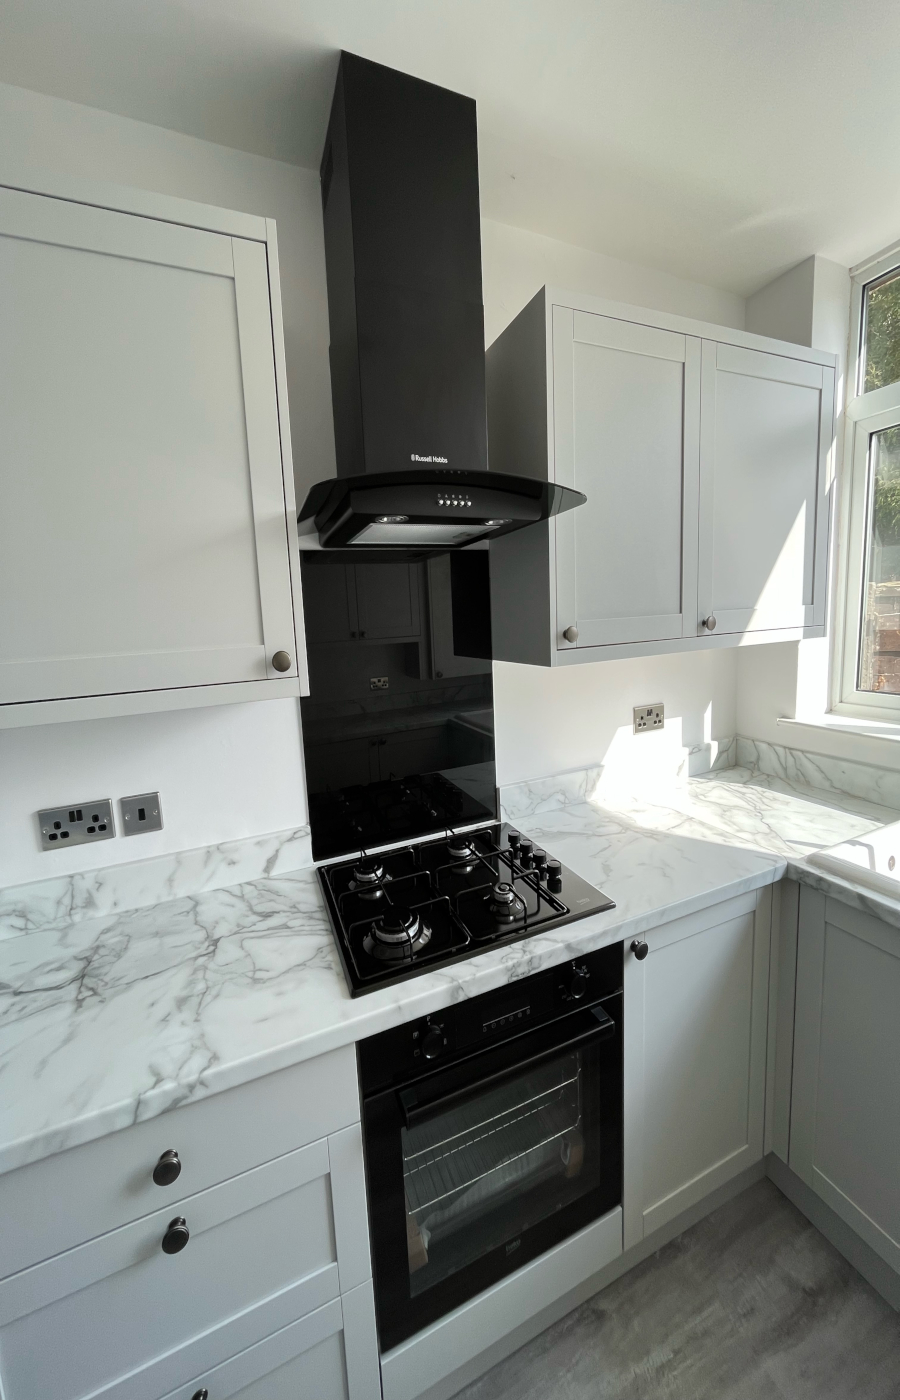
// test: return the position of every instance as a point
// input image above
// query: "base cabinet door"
(845, 1100)
(695, 1058)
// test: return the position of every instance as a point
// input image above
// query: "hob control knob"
(514, 837)
(540, 861)
(433, 1043)
(525, 849)
(577, 985)
(640, 949)
(167, 1169)
(554, 876)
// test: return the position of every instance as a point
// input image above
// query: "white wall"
(809, 304)
(234, 771)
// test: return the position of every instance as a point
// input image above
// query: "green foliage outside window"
(886, 505)
(882, 333)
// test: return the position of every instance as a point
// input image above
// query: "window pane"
(881, 350)
(879, 653)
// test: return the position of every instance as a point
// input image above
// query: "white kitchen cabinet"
(704, 456)
(147, 534)
(845, 1100)
(695, 1059)
(282, 1240)
(763, 489)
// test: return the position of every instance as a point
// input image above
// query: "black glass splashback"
(398, 728)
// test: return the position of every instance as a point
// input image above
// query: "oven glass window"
(479, 1173)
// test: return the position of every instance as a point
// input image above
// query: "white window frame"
(864, 414)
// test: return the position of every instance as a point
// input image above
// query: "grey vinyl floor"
(750, 1304)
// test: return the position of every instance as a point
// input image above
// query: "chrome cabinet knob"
(282, 661)
(571, 634)
(709, 623)
(167, 1169)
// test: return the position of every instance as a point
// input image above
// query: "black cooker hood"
(403, 260)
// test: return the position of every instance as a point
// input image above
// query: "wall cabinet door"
(627, 434)
(695, 1059)
(143, 524)
(765, 440)
(845, 1100)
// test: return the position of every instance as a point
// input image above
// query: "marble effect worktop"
(114, 1019)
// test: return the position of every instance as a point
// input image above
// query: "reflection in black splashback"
(398, 728)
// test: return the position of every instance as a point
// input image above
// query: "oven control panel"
(420, 1046)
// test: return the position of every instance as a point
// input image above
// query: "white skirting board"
(455, 1351)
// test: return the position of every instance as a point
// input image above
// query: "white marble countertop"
(115, 1019)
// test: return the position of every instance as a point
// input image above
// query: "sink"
(872, 860)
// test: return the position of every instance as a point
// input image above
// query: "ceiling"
(722, 140)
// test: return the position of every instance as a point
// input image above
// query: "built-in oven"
(493, 1130)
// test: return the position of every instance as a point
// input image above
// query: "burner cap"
(368, 871)
(398, 934)
(396, 925)
(460, 847)
(505, 904)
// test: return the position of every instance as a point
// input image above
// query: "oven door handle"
(415, 1111)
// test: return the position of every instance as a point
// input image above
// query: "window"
(869, 666)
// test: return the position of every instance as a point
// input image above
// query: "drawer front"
(57, 1203)
(303, 1360)
(82, 1321)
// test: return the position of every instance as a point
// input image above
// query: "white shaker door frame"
(144, 498)
(766, 436)
(626, 404)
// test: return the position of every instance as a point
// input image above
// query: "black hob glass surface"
(411, 909)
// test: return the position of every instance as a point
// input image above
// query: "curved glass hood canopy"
(428, 509)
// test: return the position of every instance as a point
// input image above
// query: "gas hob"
(417, 907)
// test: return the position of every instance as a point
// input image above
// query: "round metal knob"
(709, 623)
(167, 1169)
(571, 634)
(202, 1394)
(176, 1236)
(640, 949)
(433, 1042)
(282, 661)
(577, 986)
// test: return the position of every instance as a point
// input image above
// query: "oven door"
(482, 1166)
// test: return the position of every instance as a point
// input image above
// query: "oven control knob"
(554, 876)
(577, 985)
(433, 1043)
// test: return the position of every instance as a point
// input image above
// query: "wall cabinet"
(147, 535)
(271, 1277)
(845, 1100)
(704, 456)
(695, 1059)
(362, 602)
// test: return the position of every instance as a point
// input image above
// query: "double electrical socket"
(83, 822)
(647, 717)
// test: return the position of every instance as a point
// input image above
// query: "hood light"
(391, 519)
(496, 522)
